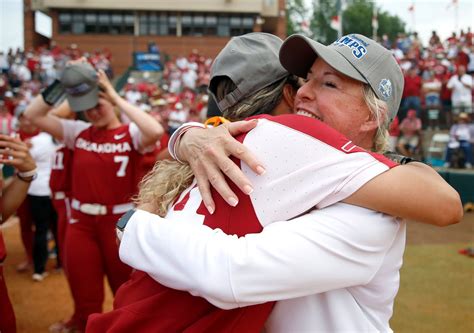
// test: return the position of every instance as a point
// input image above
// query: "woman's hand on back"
(208, 153)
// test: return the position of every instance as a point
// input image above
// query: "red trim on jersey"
(181, 204)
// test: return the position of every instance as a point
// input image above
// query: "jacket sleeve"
(340, 246)
(308, 165)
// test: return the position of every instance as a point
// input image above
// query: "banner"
(145, 61)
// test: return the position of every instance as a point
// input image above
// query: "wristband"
(27, 174)
(176, 137)
(27, 179)
(54, 93)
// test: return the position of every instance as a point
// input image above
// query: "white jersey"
(42, 150)
(332, 270)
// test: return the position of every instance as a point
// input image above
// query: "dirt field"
(37, 305)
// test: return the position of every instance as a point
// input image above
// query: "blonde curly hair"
(378, 109)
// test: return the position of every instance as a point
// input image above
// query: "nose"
(305, 92)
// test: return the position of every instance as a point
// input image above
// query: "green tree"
(323, 11)
(390, 25)
(296, 13)
(356, 17)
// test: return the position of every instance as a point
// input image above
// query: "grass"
(437, 290)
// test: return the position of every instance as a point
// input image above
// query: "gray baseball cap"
(251, 62)
(354, 55)
(80, 83)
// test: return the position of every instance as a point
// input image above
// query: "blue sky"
(428, 15)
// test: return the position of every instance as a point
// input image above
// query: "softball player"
(105, 156)
(60, 184)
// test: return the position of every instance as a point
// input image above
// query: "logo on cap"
(385, 88)
(79, 89)
(357, 45)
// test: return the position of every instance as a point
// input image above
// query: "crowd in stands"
(438, 84)
(181, 95)
(25, 73)
(438, 90)
(429, 69)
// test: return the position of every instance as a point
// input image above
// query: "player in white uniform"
(342, 253)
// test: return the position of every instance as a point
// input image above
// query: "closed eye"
(330, 84)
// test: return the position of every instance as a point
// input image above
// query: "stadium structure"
(176, 26)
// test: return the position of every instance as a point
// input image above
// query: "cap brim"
(84, 102)
(298, 53)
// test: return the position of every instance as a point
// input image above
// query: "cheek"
(106, 112)
(93, 115)
(332, 108)
(88, 115)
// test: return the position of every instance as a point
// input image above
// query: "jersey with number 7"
(104, 163)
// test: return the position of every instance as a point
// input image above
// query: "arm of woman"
(233, 272)
(417, 192)
(151, 130)
(37, 113)
(13, 196)
(413, 191)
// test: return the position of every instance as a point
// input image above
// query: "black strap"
(54, 93)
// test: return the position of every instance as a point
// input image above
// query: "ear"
(369, 125)
(289, 94)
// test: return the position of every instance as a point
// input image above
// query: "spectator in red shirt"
(446, 95)
(463, 57)
(412, 92)
(394, 132)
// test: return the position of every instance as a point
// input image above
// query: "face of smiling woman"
(336, 100)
